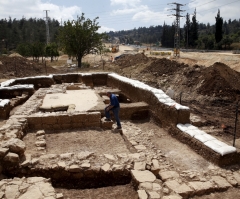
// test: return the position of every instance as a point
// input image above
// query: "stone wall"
(38, 82)
(5, 110)
(203, 150)
(129, 111)
(89, 79)
(12, 92)
(164, 113)
(63, 121)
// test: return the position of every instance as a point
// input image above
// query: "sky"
(116, 15)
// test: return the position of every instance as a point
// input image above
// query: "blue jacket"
(114, 101)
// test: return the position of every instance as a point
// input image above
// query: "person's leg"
(116, 115)
(107, 113)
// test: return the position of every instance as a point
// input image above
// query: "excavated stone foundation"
(58, 106)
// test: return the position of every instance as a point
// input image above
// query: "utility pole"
(47, 27)
(177, 29)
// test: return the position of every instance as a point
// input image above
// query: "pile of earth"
(17, 66)
(159, 67)
(218, 80)
(131, 60)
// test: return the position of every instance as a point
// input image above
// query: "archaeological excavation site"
(56, 143)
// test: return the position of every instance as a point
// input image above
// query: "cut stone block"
(74, 169)
(154, 195)
(237, 177)
(16, 145)
(142, 194)
(140, 147)
(106, 124)
(202, 188)
(106, 167)
(84, 155)
(166, 175)
(134, 155)
(66, 156)
(40, 132)
(41, 143)
(143, 176)
(181, 189)
(110, 157)
(155, 168)
(61, 165)
(11, 157)
(232, 181)
(146, 186)
(32, 192)
(3, 152)
(222, 183)
(156, 187)
(139, 165)
(12, 191)
(59, 196)
(86, 165)
(172, 197)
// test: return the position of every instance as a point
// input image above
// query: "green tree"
(208, 41)
(193, 35)
(187, 29)
(37, 50)
(226, 41)
(80, 37)
(218, 26)
(24, 49)
(164, 34)
(51, 50)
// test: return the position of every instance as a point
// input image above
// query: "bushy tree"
(52, 51)
(80, 37)
(24, 49)
(226, 41)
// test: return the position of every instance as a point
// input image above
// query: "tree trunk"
(79, 62)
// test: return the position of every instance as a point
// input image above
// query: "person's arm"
(109, 107)
(112, 103)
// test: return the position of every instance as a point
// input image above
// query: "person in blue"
(114, 106)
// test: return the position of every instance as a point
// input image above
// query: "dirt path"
(180, 155)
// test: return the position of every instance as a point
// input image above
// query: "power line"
(221, 6)
(201, 4)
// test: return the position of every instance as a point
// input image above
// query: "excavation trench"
(76, 159)
(91, 178)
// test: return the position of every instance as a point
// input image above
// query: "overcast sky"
(120, 14)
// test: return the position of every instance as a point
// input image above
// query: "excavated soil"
(92, 140)
(17, 66)
(117, 192)
(211, 92)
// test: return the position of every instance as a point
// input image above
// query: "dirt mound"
(220, 80)
(159, 67)
(15, 55)
(18, 66)
(131, 60)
